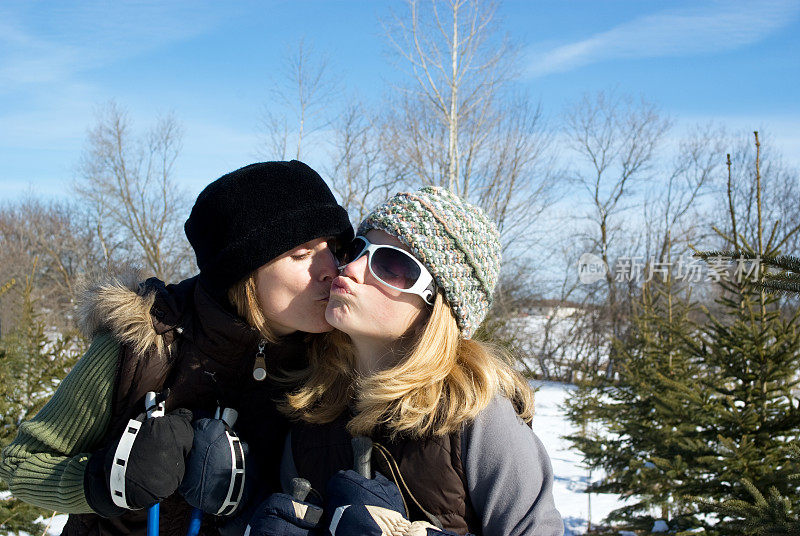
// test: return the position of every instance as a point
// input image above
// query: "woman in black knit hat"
(262, 237)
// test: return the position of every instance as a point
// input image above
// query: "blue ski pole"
(154, 409)
(195, 522)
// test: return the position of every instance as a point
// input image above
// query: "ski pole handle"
(153, 406)
(362, 456)
(300, 489)
(229, 416)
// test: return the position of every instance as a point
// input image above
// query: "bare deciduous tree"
(455, 123)
(551, 335)
(455, 67)
(358, 175)
(780, 192)
(615, 141)
(672, 206)
(299, 103)
(50, 242)
(128, 184)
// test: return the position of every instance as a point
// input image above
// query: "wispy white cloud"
(712, 28)
(49, 44)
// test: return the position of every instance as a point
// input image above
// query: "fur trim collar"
(114, 304)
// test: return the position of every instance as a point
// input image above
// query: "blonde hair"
(244, 297)
(443, 381)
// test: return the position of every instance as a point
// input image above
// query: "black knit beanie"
(248, 217)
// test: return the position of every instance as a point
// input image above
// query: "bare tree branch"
(299, 103)
(128, 181)
(456, 123)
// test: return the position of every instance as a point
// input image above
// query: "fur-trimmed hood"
(141, 313)
(123, 305)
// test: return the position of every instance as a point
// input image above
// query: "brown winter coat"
(179, 337)
(429, 472)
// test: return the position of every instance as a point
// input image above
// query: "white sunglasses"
(392, 266)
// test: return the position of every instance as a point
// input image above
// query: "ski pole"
(154, 408)
(362, 456)
(195, 522)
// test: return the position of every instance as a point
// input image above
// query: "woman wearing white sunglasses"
(449, 418)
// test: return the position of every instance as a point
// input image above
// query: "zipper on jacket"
(260, 365)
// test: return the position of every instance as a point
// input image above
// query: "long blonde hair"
(443, 381)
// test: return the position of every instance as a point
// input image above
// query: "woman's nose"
(355, 270)
(327, 264)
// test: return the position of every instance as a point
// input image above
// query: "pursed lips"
(341, 285)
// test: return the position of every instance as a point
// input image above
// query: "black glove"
(153, 470)
(283, 515)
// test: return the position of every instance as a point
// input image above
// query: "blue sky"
(736, 63)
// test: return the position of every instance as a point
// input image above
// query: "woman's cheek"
(395, 320)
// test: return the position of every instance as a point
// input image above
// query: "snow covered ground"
(550, 425)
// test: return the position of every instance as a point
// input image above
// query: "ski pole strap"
(118, 468)
(236, 486)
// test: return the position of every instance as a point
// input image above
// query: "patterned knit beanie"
(454, 239)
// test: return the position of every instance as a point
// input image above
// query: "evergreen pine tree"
(749, 417)
(755, 350)
(703, 418)
(641, 437)
(770, 515)
(31, 364)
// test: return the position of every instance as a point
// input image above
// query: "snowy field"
(549, 424)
